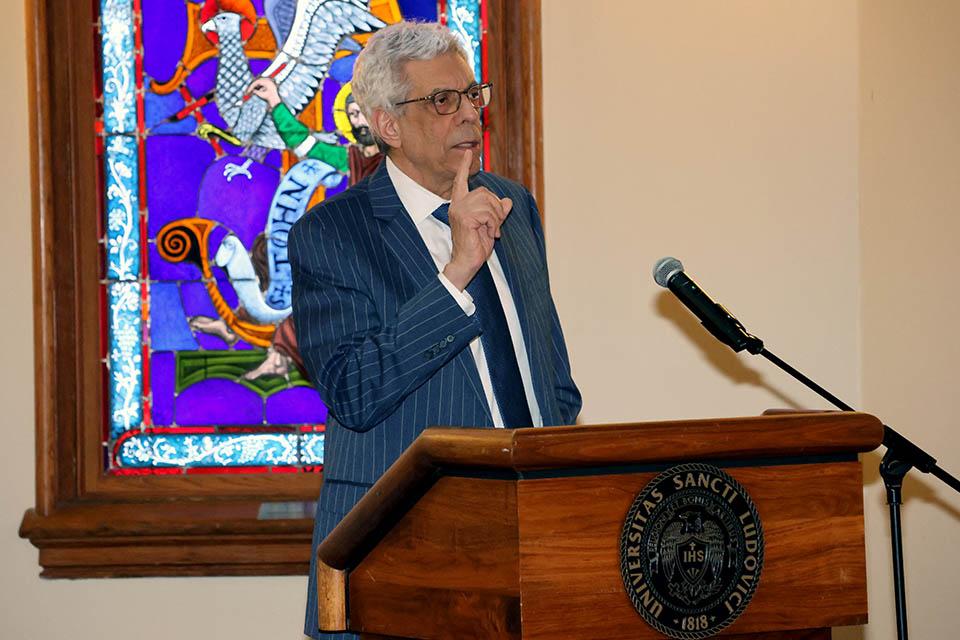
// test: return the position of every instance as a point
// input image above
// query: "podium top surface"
(526, 453)
(520, 450)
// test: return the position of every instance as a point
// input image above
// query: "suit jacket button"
(449, 338)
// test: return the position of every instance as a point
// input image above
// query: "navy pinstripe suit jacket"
(386, 344)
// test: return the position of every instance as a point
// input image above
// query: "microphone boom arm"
(901, 455)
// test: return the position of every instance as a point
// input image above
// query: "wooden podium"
(499, 533)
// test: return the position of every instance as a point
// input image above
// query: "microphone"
(901, 456)
(668, 273)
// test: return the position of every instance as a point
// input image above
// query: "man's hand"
(475, 219)
(265, 89)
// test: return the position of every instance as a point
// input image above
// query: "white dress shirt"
(420, 204)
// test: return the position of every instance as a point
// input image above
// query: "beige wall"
(726, 136)
(730, 135)
(910, 227)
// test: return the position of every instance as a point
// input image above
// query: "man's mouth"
(469, 144)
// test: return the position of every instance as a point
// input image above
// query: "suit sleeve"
(565, 389)
(365, 366)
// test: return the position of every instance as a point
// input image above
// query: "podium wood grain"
(437, 576)
(472, 576)
(814, 559)
(442, 450)
(515, 533)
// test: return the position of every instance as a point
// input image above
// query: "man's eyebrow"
(473, 83)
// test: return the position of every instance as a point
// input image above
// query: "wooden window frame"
(87, 524)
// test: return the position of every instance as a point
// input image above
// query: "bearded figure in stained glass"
(260, 116)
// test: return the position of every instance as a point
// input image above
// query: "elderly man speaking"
(421, 295)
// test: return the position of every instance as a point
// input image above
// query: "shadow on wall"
(717, 354)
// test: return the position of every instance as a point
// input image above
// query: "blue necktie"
(497, 344)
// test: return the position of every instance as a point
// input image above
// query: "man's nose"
(467, 112)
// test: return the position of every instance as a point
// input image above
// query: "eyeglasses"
(447, 101)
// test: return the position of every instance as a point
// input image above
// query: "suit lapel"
(404, 241)
(399, 231)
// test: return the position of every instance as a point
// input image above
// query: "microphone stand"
(901, 456)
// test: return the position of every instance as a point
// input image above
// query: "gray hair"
(379, 79)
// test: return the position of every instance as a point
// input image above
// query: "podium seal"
(691, 551)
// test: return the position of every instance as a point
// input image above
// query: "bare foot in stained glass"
(214, 327)
(275, 364)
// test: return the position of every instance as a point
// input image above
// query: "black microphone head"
(665, 269)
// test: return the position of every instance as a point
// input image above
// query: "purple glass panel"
(236, 192)
(160, 112)
(424, 10)
(164, 36)
(162, 372)
(161, 270)
(175, 167)
(330, 89)
(257, 66)
(229, 295)
(168, 323)
(196, 300)
(202, 80)
(332, 191)
(211, 114)
(298, 405)
(341, 69)
(221, 402)
(273, 159)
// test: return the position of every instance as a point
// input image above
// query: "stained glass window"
(201, 183)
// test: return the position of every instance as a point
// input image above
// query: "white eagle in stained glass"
(311, 32)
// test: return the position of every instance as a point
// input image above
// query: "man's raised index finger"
(460, 187)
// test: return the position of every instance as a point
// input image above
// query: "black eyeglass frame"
(460, 94)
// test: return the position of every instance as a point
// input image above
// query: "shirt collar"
(419, 202)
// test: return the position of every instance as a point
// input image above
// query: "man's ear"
(387, 127)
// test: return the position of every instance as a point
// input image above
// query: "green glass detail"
(195, 366)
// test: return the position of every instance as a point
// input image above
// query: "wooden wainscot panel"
(159, 539)
(814, 573)
(448, 569)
